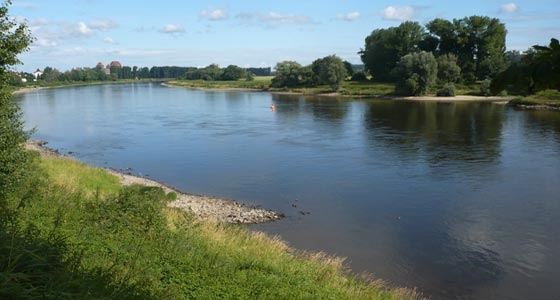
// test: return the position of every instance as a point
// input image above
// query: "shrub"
(417, 72)
(359, 76)
(448, 90)
(548, 95)
(485, 87)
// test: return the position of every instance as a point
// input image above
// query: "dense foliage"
(417, 72)
(536, 70)
(384, 48)
(329, 70)
(213, 72)
(448, 70)
(14, 160)
(477, 42)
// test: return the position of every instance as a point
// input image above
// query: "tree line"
(329, 70)
(527, 73)
(440, 54)
(101, 73)
(416, 58)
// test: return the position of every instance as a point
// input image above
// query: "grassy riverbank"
(367, 89)
(80, 235)
(262, 83)
(542, 99)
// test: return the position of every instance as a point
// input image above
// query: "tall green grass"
(550, 98)
(81, 236)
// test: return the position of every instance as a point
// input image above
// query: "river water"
(460, 200)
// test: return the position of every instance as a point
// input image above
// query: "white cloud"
(102, 25)
(108, 40)
(172, 28)
(274, 18)
(349, 16)
(44, 42)
(214, 14)
(509, 8)
(402, 13)
(81, 29)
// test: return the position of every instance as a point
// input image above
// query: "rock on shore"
(208, 208)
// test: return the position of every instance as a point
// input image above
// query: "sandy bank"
(208, 208)
(28, 90)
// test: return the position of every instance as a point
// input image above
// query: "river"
(460, 200)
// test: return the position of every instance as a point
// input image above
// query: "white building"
(37, 74)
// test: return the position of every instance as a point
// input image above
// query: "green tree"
(50, 74)
(349, 68)
(536, 69)
(288, 74)
(233, 72)
(144, 72)
(126, 72)
(417, 72)
(114, 72)
(548, 63)
(477, 41)
(448, 70)
(481, 44)
(384, 47)
(329, 70)
(14, 160)
(441, 37)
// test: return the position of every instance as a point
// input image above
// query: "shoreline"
(458, 98)
(204, 207)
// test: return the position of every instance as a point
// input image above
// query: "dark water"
(461, 200)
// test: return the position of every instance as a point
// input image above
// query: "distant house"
(114, 63)
(37, 74)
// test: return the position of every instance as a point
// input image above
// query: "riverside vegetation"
(75, 233)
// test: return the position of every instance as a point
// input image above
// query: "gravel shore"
(207, 208)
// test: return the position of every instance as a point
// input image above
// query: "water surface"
(457, 199)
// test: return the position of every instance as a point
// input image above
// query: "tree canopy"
(288, 74)
(384, 47)
(14, 39)
(478, 42)
(417, 72)
(329, 70)
(535, 70)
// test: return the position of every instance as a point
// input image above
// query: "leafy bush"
(548, 95)
(485, 87)
(417, 72)
(448, 90)
(359, 76)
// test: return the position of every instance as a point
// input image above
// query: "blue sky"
(80, 33)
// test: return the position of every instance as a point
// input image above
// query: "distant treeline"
(116, 72)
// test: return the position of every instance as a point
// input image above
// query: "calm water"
(459, 200)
